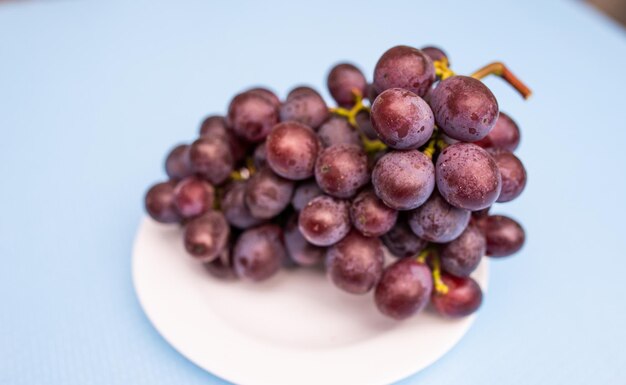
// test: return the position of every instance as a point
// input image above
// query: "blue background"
(92, 95)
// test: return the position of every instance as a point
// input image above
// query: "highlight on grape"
(411, 161)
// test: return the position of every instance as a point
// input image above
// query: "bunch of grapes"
(411, 162)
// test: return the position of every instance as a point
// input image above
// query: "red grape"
(259, 252)
(267, 194)
(512, 172)
(404, 179)
(252, 116)
(504, 235)
(463, 297)
(465, 109)
(291, 150)
(355, 263)
(177, 164)
(206, 236)
(193, 196)
(404, 289)
(468, 177)
(404, 67)
(402, 119)
(370, 215)
(341, 170)
(324, 220)
(159, 202)
(211, 158)
(343, 80)
(462, 256)
(438, 221)
(306, 106)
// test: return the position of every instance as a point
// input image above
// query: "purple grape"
(222, 266)
(465, 109)
(215, 127)
(364, 124)
(252, 116)
(291, 150)
(404, 67)
(337, 130)
(306, 106)
(343, 80)
(504, 235)
(404, 289)
(468, 177)
(462, 256)
(193, 197)
(505, 134)
(341, 170)
(267, 194)
(402, 242)
(206, 236)
(211, 158)
(260, 155)
(298, 248)
(159, 202)
(437, 220)
(234, 206)
(324, 220)
(435, 53)
(304, 192)
(404, 179)
(267, 94)
(512, 172)
(402, 119)
(463, 298)
(177, 164)
(370, 215)
(259, 253)
(355, 263)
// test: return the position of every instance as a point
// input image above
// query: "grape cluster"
(411, 162)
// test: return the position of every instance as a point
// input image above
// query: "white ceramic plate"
(295, 328)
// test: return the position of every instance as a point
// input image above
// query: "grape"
(304, 192)
(211, 158)
(159, 202)
(462, 256)
(402, 242)
(252, 116)
(324, 220)
(355, 263)
(298, 248)
(364, 124)
(267, 94)
(404, 289)
(306, 106)
(404, 179)
(404, 67)
(505, 134)
(402, 119)
(222, 266)
(337, 130)
(343, 80)
(468, 177)
(341, 170)
(512, 172)
(481, 213)
(267, 194)
(465, 109)
(177, 164)
(260, 155)
(234, 206)
(206, 236)
(291, 150)
(435, 53)
(437, 220)
(370, 215)
(463, 298)
(215, 127)
(259, 253)
(193, 196)
(504, 235)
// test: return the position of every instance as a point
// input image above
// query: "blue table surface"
(92, 95)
